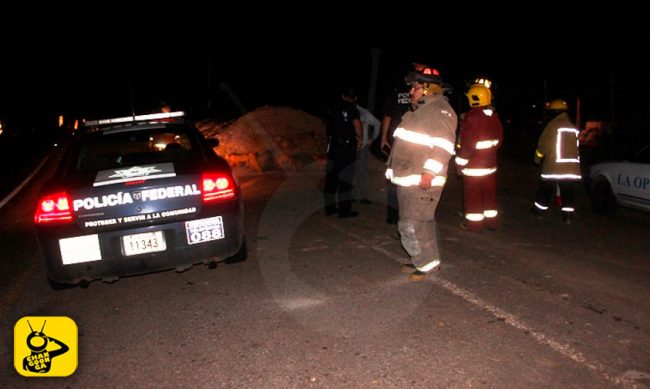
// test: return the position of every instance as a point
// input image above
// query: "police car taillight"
(54, 208)
(217, 186)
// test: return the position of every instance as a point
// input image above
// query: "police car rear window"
(123, 149)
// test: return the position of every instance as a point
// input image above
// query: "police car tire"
(240, 256)
(55, 285)
(602, 198)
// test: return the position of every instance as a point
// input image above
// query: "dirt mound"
(269, 138)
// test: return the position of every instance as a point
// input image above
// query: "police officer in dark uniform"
(344, 136)
(396, 105)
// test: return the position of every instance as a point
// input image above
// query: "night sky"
(94, 61)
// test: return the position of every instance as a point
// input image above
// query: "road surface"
(321, 302)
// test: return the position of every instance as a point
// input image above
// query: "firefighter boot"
(420, 275)
(407, 268)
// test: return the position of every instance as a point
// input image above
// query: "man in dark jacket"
(344, 136)
(396, 105)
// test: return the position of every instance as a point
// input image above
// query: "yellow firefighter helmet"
(479, 95)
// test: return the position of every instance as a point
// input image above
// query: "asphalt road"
(321, 302)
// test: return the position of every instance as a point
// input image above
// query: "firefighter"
(417, 165)
(558, 153)
(481, 135)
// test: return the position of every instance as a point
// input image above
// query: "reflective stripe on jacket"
(558, 150)
(481, 135)
(424, 142)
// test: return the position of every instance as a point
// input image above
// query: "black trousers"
(392, 205)
(546, 192)
(339, 175)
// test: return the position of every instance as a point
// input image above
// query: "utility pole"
(611, 96)
(211, 34)
(374, 70)
(578, 116)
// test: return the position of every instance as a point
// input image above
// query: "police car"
(625, 183)
(136, 195)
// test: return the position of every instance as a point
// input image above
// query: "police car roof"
(131, 123)
(134, 118)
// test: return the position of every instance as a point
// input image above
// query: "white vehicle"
(625, 183)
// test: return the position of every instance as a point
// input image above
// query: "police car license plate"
(148, 242)
(204, 230)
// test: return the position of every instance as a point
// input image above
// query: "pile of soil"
(269, 139)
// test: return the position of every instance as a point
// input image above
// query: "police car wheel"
(55, 285)
(239, 256)
(602, 198)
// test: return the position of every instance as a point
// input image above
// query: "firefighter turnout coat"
(558, 150)
(424, 143)
(481, 135)
(559, 153)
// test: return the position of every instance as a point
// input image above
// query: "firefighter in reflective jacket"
(558, 152)
(417, 165)
(481, 135)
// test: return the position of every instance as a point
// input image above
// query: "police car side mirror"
(213, 142)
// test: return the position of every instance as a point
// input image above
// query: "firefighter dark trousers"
(547, 190)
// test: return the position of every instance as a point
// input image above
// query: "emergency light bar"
(135, 118)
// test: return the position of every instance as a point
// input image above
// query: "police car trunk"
(134, 199)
